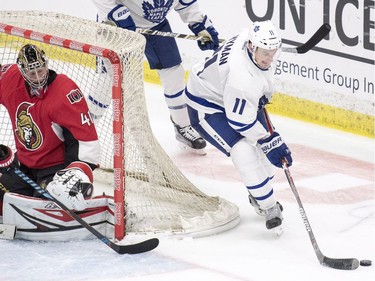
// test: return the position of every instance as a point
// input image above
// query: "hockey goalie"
(57, 149)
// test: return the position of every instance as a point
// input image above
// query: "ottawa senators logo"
(27, 131)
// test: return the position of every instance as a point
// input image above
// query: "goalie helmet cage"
(156, 196)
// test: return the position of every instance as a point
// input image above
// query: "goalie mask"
(33, 65)
(265, 44)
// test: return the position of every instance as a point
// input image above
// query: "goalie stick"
(311, 43)
(137, 248)
(346, 263)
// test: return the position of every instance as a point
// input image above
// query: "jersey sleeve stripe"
(204, 102)
(240, 127)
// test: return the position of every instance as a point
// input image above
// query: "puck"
(365, 262)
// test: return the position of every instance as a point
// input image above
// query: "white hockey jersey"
(230, 82)
(147, 14)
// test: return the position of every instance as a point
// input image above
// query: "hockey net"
(156, 196)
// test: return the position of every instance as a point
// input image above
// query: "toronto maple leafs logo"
(156, 13)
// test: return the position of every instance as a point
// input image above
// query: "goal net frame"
(220, 214)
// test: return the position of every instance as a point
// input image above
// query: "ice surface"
(333, 171)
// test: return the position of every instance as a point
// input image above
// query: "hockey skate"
(189, 139)
(273, 216)
(257, 208)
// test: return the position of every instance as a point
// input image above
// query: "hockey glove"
(120, 15)
(6, 156)
(206, 29)
(71, 186)
(276, 150)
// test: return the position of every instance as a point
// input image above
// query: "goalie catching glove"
(73, 185)
(276, 150)
(206, 30)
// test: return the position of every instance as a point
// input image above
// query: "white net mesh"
(158, 197)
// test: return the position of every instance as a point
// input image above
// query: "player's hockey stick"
(315, 39)
(173, 34)
(137, 248)
(312, 42)
(347, 263)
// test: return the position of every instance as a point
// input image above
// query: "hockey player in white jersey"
(226, 96)
(162, 52)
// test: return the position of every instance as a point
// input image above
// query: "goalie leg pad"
(43, 220)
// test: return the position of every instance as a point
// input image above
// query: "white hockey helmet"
(263, 34)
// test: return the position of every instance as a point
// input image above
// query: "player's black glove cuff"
(6, 156)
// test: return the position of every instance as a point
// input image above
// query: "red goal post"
(106, 62)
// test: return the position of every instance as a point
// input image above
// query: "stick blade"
(138, 248)
(344, 264)
(315, 39)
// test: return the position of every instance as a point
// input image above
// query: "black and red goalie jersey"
(52, 129)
